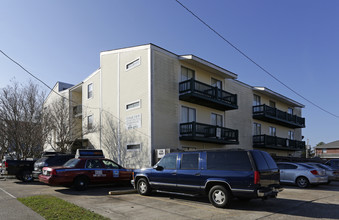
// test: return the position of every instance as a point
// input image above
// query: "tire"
(302, 182)
(27, 176)
(219, 196)
(80, 183)
(143, 187)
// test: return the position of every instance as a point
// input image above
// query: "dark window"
(229, 160)
(71, 163)
(169, 161)
(95, 163)
(283, 166)
(190, 161)
(263, 160)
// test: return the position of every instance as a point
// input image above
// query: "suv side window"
(190, 161)
(228, 160)
(169, 161)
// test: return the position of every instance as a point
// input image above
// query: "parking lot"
(293, 203)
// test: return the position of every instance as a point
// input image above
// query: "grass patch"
(51, 207)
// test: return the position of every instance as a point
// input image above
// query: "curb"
(122, 192)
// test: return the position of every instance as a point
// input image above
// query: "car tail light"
(6, 164)
(132, 175)
(314, 172)
(53, 172)
(256, 177)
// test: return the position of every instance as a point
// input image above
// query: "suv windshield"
(43, 159)
(71, 163)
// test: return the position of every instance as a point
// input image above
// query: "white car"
(332, 173)
(301, 174)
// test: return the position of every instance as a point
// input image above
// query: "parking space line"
(8, 193)
(212, 209)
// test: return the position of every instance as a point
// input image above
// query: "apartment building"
(145, 101)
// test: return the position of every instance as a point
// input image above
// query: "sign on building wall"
(133, 121)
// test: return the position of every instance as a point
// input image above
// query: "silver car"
(301, 174)
(332, 173)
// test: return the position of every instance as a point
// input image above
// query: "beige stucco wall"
(165, 100)
(119, 88)
(241, 118)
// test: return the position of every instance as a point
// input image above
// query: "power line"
(252, 61)
(71, 101)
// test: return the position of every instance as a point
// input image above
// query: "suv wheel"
(143, 187)
(81, 183)
(219, 196)
(27, 176)
(302, 182)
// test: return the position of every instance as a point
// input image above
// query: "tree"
(116, 137)
(320, 143)
(22, 120)
(64, 129)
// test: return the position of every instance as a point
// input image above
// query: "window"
(263, 160)
(272, 131)
(290, 111)
(256, 129)
(272, 104)
(133, 105)
(291, 135)
(187, 114)
(110, 164)
(256, 100)
(133, 147)
(90, 91)
(216, 119)
(90, 122)
(186, 74)
(216, 83)
(324, 151)
(169, 161)
(94, 163)
(232, 160)
(133, 64)
(286, 166)
(71, 163)
(190, 161)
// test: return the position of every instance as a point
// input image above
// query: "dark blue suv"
(220, 174)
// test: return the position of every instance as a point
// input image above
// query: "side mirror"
(159, 168)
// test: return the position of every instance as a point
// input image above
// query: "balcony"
(273, 115)
(193, 131)
(203, 94)
(266, 141)
(77, 111)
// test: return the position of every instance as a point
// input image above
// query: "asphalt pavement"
(11, 208)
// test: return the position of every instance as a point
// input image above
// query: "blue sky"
(297, 41)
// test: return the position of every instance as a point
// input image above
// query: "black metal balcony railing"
(270, 114)
(203, 94)
(267, 141)
(193, 131)
(77, 111)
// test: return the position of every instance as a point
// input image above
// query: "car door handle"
(197, 174)
(174, 174)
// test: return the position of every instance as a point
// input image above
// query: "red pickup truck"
(80, 172)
